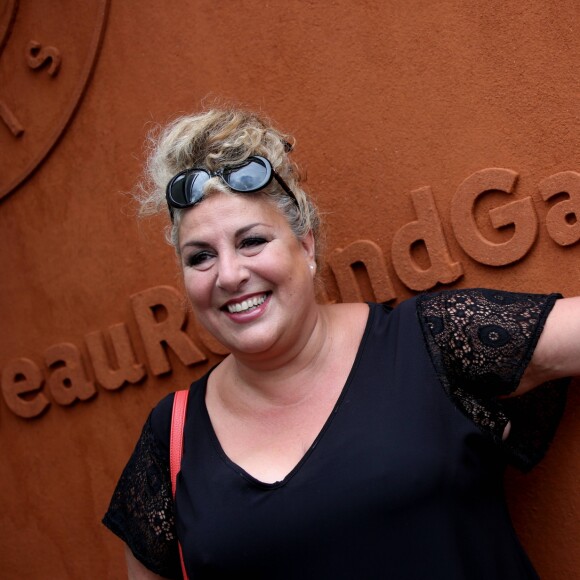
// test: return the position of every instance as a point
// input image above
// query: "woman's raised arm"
(557, 353)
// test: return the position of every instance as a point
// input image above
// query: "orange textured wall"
(405, 114)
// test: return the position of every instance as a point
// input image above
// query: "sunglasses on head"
(255, 173)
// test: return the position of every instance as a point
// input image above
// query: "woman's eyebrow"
(239, 232)
(243, 230)
(196, 244)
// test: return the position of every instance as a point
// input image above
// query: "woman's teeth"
(246, 304)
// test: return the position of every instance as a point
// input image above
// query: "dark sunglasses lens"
(187, 189)
(250, 177)
(177, 190)
(194, 186)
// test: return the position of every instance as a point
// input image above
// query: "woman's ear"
(309, 246)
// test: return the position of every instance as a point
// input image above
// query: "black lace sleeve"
(480, 342)
(141, 512)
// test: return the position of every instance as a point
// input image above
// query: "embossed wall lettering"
(360, 270)
(368, 254)
(38, 56)
(426, 230)
(419, 249)
(37, 100)
(208, 340)
(10, 120)
(159, 329)
(68, 381)
(562, 219)
(161, 319)
(519, 214)
(22, 382)
(114, 370)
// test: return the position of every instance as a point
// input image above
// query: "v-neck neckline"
(248, 476)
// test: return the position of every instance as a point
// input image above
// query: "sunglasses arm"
(285, 187)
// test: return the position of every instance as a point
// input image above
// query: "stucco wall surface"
(441, 140)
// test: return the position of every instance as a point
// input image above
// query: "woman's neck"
(284, 379)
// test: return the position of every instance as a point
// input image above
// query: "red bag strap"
(176, 448)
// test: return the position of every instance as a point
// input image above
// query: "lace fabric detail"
(142, 512)
(480, 342)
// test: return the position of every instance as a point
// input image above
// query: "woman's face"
(249, 280)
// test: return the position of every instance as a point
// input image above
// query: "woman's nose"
(232, 273)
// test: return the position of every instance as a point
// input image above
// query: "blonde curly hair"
(218, 138)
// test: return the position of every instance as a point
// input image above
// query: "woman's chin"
(254, 341)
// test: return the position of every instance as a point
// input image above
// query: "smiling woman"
(328, 443)
(248, 278)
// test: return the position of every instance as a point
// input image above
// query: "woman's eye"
(252, 243)
(198, 260)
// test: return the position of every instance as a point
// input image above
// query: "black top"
(398, 484)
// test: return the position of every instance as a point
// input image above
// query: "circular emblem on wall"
(48, 52)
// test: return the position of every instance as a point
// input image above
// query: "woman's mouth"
(246, 305)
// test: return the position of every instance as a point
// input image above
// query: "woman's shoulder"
(346, 310)
(160, 417)
(349, 317)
